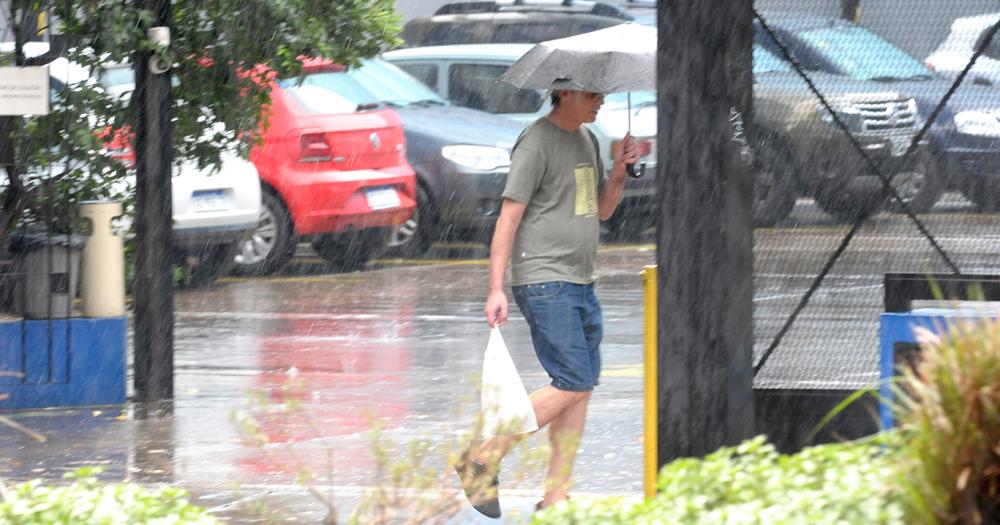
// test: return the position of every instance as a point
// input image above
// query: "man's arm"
(511, 213)
(626, 152)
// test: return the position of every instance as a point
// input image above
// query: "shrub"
(87, 501)
(847, 483)
(949, 412)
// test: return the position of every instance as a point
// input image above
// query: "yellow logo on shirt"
(586, 190)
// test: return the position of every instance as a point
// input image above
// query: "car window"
(117, 76)
(993, 49)
(328, 93)
(587, 28)
(478, 86)
(426, 73)
(636, 99)
(390, 84)
(522, 33)
(448, 33)
(862, 54)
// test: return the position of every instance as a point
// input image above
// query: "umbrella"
(611, 60)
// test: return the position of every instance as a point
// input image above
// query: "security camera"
(160, 36)
(157, 65)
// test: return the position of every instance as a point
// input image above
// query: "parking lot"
(401, 341)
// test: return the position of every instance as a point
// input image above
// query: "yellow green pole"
(650, 413)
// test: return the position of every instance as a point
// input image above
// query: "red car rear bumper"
(322, 202)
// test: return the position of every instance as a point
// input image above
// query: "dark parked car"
(798, 146)
(964, 139)
(461, 157)
(511, 21)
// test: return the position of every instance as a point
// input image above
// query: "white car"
(468, 75)
(954, 53)
(213, 211)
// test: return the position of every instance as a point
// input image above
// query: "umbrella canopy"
(611, 60)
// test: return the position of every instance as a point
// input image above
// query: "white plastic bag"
(505, 404)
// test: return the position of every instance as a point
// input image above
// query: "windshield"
(862, 54)
(328, 92)
(390, 84)
(765, 61)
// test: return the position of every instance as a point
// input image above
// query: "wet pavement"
(321, 359)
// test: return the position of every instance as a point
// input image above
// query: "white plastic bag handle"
(506, 407)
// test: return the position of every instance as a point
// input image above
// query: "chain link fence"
(883, 126)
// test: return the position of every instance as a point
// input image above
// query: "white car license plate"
(382, 198)
(209, 200)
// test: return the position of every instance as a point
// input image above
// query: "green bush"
(88, 501)
(842, 484)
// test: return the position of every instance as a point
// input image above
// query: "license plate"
(382, 198)
(209, 200)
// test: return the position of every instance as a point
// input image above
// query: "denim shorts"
(566, 329)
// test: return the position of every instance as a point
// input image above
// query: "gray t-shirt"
(557, 174)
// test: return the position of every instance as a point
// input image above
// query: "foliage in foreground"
(940, 467)
(950, 412)
(88, 501)
(752, 484)
(50, 162)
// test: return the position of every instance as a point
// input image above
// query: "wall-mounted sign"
(24, 90)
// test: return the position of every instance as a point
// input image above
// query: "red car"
(333, 170)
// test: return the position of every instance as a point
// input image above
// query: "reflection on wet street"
(323, 358)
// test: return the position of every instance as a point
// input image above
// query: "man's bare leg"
(549, 403)
(565, 432)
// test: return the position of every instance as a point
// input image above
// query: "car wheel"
(919, 187)
(212, 262)
(856, 201)
(985, 195)
(773, 184)
(628, 223)
(415, 236)
(351, 251)
(271, 245)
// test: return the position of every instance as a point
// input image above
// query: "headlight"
(982, 123)
(849, 115)
(483, 158)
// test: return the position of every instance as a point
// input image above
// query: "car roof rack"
(494, 6)
(467, 7)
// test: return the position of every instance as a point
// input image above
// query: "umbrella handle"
(630, 169)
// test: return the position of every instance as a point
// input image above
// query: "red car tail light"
(645, 147)
(314, 148)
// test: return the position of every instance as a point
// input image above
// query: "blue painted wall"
(63, 362)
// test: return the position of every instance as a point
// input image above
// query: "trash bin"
(48, 267)
(102, 286)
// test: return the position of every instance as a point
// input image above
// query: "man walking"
(548, 229)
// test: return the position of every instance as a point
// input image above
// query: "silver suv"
(511, 21)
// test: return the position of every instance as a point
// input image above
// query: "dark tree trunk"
(704, 229)
(153, 288)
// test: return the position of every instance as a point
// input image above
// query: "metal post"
(651, 466)
(153, 287)
(704, 228)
